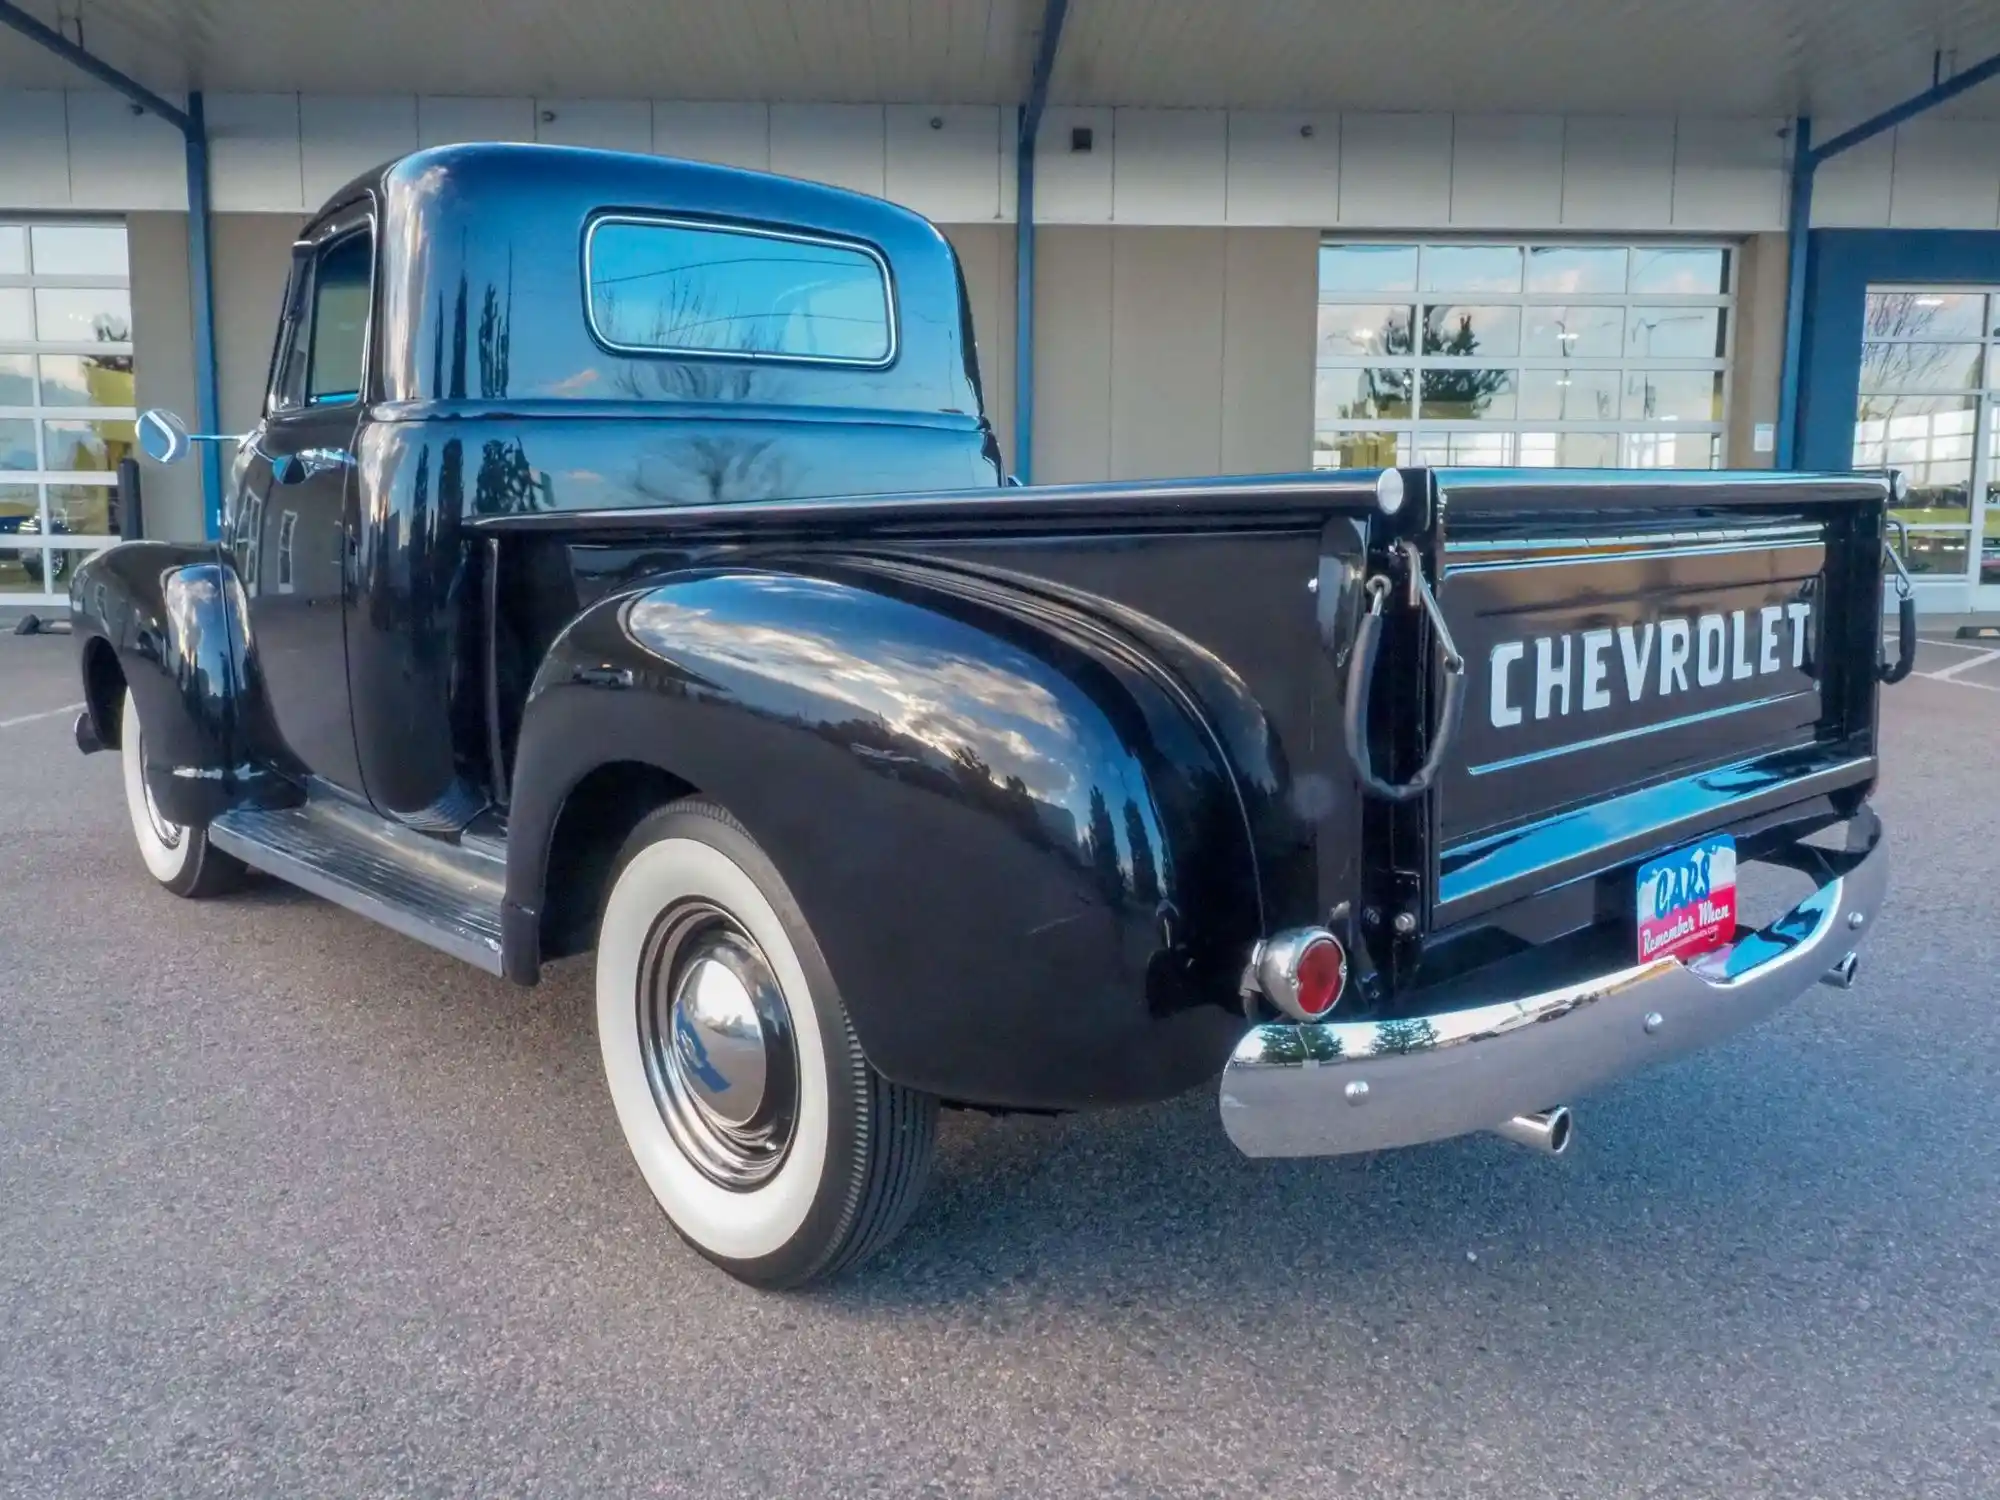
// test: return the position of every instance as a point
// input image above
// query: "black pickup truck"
(623, 563)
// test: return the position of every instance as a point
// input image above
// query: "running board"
(439, 893)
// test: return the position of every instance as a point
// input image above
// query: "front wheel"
(771, 1144)
(179, 857)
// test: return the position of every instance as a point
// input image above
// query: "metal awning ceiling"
(1836, 59)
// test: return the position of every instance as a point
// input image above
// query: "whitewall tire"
(773, 1147)
(177, 856)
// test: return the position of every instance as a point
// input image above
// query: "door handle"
(308, 463)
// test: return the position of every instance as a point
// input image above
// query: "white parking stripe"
(70, 708)
(1947, 673)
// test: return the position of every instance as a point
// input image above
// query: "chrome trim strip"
(725, 226)
(1556, 751)
(1340, 1087)
(1641, 539)
(1493, 869)
(1586, 559)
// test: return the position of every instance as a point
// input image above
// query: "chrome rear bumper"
(1339, 1087)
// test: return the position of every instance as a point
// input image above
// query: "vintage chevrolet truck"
(623, 563)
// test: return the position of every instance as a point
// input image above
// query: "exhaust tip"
(1547, 1131)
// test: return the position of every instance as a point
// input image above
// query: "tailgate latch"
(1361, 675)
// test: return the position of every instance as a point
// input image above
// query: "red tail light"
(1301, 972)
(1322, 975)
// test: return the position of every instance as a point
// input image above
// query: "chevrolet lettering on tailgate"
(1583, 670)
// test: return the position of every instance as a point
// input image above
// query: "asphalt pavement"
(291, 1207)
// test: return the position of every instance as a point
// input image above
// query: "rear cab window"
(666, 286)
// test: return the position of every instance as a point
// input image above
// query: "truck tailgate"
(1645, 661)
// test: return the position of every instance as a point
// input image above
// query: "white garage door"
(1530, 353)
(65, 399)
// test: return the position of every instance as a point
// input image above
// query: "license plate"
(1687, 900)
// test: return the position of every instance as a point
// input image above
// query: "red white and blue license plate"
(1687, 900)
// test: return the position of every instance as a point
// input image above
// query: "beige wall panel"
(1073, 354)
(163, 363)
(1270, 291)
(1166, 351)
(986, 253)
(1760, 349)
(252, 253)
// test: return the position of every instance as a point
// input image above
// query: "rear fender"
(171, 616)
(1023, 853)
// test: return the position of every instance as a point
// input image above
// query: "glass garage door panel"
(66, 399)
(1517, 353)
(1930, 376)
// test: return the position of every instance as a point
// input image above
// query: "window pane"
(1671, 450)
(1486, 450)
(79, 249)
(339, 320)
(1920, 367)
(17, 321)
(1462, 332)
(1577, 270)
(21, 571)
(1907, 415)
(1375, 393)
(17, 503)
(1576, 332)
(90, 447)
(1472, 268)
(1467, 395)
(1674, 395)
(1675, 332)
(1569, 450)
(1936, 553)
(87, 380)
(17, 384)
(1367, 268)
(1360, 450)
(82, 509)
(1348, 329)
(714, 291)
(13, 250)
(17, 443)
(1680, 270)
(1925, 315)
(83, 315)
(1574, 395)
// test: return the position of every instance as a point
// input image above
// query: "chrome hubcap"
(169, 834)
(717, 1039)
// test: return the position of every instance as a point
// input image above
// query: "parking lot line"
(70, 708)
(1948, 673)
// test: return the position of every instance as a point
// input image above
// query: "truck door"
(299, 490)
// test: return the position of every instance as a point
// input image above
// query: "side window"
(339, 331)
(675, 288)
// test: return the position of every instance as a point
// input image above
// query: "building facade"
(1217, 288)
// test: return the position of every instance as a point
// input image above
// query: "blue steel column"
(1029, 126)
(201, 285)
(1798, 239)
(1024, 301)
(1806, 159)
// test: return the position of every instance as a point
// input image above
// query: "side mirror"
(163, 437)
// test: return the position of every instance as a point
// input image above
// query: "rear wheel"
(762, 1131)
(179, 857)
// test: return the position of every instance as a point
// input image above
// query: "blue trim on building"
(1844, 263)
